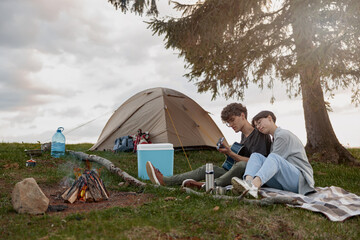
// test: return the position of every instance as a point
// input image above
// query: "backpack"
(124, 144)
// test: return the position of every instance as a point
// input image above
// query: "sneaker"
(242, 185)
(191, 183)
(154, 174)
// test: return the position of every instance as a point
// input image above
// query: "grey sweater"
(289, 146)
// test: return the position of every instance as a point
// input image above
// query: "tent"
(168, 115)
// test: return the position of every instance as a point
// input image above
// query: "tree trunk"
(322, 143)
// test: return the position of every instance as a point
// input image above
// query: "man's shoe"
(191, 183)
(242, 185)
(154, 174)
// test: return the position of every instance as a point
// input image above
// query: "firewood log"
(63, 196)
(73, 196)
(100, 184)
(94, 191)
(68, 193)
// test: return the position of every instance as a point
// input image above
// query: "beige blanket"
(334, 202)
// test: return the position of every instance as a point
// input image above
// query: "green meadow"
(183, 217)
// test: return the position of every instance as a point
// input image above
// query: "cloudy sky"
(72, 63)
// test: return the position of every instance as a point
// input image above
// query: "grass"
(184, 218)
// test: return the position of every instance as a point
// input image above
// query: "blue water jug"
(58, 143)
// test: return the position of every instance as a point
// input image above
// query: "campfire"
(88, 187)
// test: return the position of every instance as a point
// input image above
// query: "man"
(235, 116)
(287, 166)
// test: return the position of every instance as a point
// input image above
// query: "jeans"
(274, 171)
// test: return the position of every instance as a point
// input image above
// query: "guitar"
(239, 149)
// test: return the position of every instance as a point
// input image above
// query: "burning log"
(87, 188)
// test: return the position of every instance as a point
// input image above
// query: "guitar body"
(239, 149)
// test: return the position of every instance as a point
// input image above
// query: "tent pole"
(178, 137)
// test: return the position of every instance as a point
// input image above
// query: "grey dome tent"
(168, 115)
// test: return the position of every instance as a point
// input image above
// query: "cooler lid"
(155, 146)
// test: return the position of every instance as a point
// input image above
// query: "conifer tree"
(311, 46)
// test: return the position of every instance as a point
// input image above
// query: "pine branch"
(137, 7)
(186, 9)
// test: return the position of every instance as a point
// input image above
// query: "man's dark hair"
(233, 109)
(263, 114)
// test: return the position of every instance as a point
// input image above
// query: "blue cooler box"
(161, 155)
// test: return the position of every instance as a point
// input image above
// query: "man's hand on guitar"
(225, 149)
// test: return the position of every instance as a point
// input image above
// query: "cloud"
(18, 89)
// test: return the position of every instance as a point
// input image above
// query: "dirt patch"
(116, 199)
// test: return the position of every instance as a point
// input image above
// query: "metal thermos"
(209, 177)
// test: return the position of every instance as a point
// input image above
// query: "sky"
(73, 63)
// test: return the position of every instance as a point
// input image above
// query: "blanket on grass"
(334, 202)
